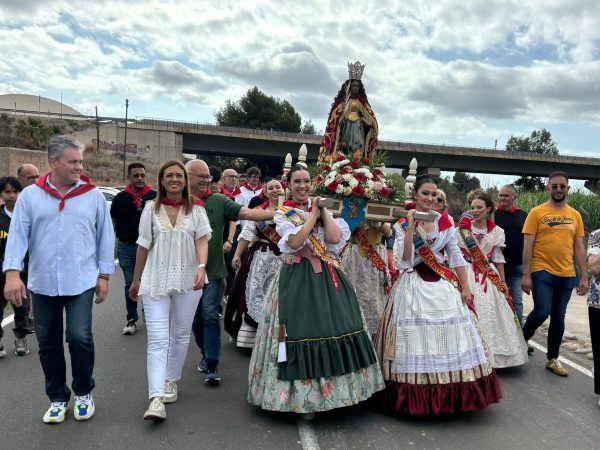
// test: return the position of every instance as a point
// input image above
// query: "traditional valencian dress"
(246, 298)
(500, 326)
(433, 357)
(365, 262)
(312, 351)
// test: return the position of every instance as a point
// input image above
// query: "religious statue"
(351, 126)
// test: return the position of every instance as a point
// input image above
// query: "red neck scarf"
(231, 195)
(168, 202)
(513, 209)
(292, 204)
(137, 197)
(41, 182)
(264, 206)
(250, 188)
(467, 223)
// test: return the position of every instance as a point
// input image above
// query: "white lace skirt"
(368, 284)
(498, 322)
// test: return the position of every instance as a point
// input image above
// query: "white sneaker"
(56, 412)
(170, 392)
(156, 410)
(130, 328)
(84, 407)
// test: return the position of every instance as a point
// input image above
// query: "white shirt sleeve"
(285, 229)
(201, 224)
(248, 233)
(344, 228)
(145, 227)
(399, 243)
(455, 256)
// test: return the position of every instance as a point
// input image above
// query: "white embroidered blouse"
(439, 241)
(172, 261)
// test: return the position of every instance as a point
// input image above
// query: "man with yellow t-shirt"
(553, 238)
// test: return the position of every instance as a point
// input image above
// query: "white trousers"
(168, 342)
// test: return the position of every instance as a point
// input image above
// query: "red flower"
(366, 160)
(332, 186)
(354, 164)
(360, 177)
(376, 174)
(326, 168)
(346, 169)
(385, 192)
(340, 158)
(358, 191)
(318, 179)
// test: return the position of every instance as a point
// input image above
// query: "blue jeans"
(49, 333)
(514, 277)
(551, 295)
(207, 326)
(126, 254)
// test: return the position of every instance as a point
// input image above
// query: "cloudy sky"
(450, 71)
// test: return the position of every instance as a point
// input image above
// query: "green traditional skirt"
(325, 332)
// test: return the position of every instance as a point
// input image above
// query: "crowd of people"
(414, 316)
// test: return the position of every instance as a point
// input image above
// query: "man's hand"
(584, 286)
(101, 290)
(526, 284)
(14, 289)
(227, 247)
(133, 290)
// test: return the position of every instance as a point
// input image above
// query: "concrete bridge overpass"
(232, 141)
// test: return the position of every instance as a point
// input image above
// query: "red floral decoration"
(358, 191)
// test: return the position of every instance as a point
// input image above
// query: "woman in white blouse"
(170, 272)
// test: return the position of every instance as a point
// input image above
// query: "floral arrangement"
(355, 177)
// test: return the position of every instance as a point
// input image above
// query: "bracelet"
(103, 276)
(201, 266)
(230, 241)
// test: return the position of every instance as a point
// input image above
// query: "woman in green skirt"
(312, 350)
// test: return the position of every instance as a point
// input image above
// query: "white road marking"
(562, 359)
(308, 438)
(7, 320)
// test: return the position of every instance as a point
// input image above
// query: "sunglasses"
(441, 200)
(555, 187)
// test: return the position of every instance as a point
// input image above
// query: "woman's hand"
(133, 290)
(236, 262)
(466, 295)
(411, 219)
(199, 278)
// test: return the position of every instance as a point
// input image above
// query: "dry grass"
(107, 170)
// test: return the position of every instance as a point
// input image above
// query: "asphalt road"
(539, 409)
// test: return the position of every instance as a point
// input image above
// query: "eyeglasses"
(441, 200)
(230, 176)
(202, 177)
(32, 177)
(556, 187)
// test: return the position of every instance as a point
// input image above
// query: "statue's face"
(354, 88)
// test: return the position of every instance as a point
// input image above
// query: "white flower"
(339, 164)
(368, 192)
(369, 183)
(347, 177)
(339, 189)
(347, 191)
(353, 182)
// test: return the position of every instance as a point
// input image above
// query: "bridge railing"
(183, 126)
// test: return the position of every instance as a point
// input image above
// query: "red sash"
(389, 273)
(41, 182)
(481, 262)
(266, 229)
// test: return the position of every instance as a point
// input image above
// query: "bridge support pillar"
(593, 185)
(433, 172)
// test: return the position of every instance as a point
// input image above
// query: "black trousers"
(594, 316)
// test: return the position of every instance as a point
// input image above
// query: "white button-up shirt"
(67, 249)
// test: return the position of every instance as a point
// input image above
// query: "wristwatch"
(230, 241)
(200, 266)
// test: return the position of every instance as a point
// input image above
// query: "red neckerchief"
(137, 197)
(467, 224)
(262, 197)
(444, 221)
(168, 202)
(513, 209)
(293, 204)
(264, 206)
(250, 188)
(231, 195)
(41, 182)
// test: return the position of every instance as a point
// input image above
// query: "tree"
(540, 141)
(465, 183)
(34, 132)
(257, 110)
(309, 128)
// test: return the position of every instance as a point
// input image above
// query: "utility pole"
(97, 132)
(125, 145)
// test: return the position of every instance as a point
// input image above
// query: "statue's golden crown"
(355, 70)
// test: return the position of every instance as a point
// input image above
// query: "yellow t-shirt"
(555, 230)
